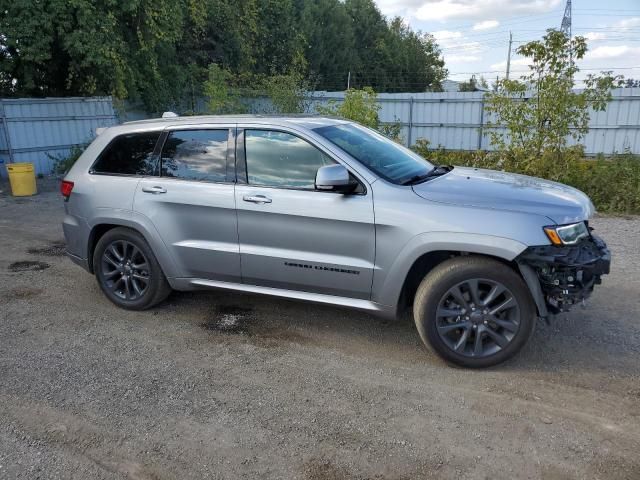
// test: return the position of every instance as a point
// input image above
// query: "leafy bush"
(63, 163)
(542, 111)
(226, 92)
(613, 183)
(358, 105)
(221, 91)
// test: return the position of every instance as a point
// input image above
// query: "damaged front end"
(561, 276)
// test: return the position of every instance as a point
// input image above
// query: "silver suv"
(328, 211)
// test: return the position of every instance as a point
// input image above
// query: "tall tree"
(329, 42)
(541, 111)
(159, 51)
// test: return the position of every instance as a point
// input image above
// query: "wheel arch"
(100, 226)
(424, 252)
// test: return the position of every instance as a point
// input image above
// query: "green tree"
(358, 105)
(541, 111)
(468, 86)
(412, 60)
(60, 47)
(158, 52)
(329, 41)
(289, 93)
(474, 85)
(221, 92)
(278, 43)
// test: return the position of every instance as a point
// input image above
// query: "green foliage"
(612, 183)
(222, 95)
(540, 110)
(358, 105)
(63, 163)
(392, 130)
(541, 113)
(473, 85)
(80, 47)
(287, 93)
(329, 41)
(158, 52)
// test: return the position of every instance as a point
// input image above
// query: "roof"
(307, 121)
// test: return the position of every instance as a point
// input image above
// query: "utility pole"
(349, 80)
(509, 54)
(565, 27)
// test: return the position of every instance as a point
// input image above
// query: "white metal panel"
(452, 120)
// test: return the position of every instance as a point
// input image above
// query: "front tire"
(474, 312)
(127, 270)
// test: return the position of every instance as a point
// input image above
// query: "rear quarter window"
(129, 154)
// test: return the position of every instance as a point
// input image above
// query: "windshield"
(383, 156)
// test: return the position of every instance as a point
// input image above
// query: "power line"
(541, 16)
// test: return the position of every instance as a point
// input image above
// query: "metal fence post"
(410, 135)
(5, 128)
(481, 123)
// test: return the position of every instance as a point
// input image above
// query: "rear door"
(191, 202)
(291, 235)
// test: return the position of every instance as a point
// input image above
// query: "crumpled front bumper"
(565, 275)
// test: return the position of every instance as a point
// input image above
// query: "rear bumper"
(566, 275)
(79, 261)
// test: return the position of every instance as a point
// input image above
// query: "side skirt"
(358, 304)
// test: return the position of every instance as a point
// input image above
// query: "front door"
(295, 237)
(191, 203)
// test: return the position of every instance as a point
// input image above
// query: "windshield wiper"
(435, 172)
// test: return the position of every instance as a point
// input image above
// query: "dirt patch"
(19, 293)
(22, 293)
(235, 319)
(230, 319)
(54, 249)
(325, 470)
(28, 266)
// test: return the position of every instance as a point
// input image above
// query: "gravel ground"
(223, 385)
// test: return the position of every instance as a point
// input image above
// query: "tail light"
(65, 189)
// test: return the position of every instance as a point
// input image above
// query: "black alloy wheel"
(474, 311)
(125, 270)
(478, 317)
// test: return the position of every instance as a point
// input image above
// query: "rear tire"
(474, 312)
(127, 270)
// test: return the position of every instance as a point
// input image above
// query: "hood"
(508, 191)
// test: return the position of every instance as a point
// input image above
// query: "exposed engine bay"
(567, 274)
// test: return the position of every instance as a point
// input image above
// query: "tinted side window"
(128, 155)
(196, 155)
(280, 159)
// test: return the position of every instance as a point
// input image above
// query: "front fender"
(387, 288)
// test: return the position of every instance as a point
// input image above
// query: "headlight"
(567, 234)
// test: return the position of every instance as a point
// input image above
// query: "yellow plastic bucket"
(22, 177)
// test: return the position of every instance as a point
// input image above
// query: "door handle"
(155, 190)
(256, 199)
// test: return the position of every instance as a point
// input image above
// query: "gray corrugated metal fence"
(31, 128)
(457, 120)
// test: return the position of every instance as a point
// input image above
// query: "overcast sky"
(474, 34)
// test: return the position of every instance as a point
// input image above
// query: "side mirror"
(335, 178)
